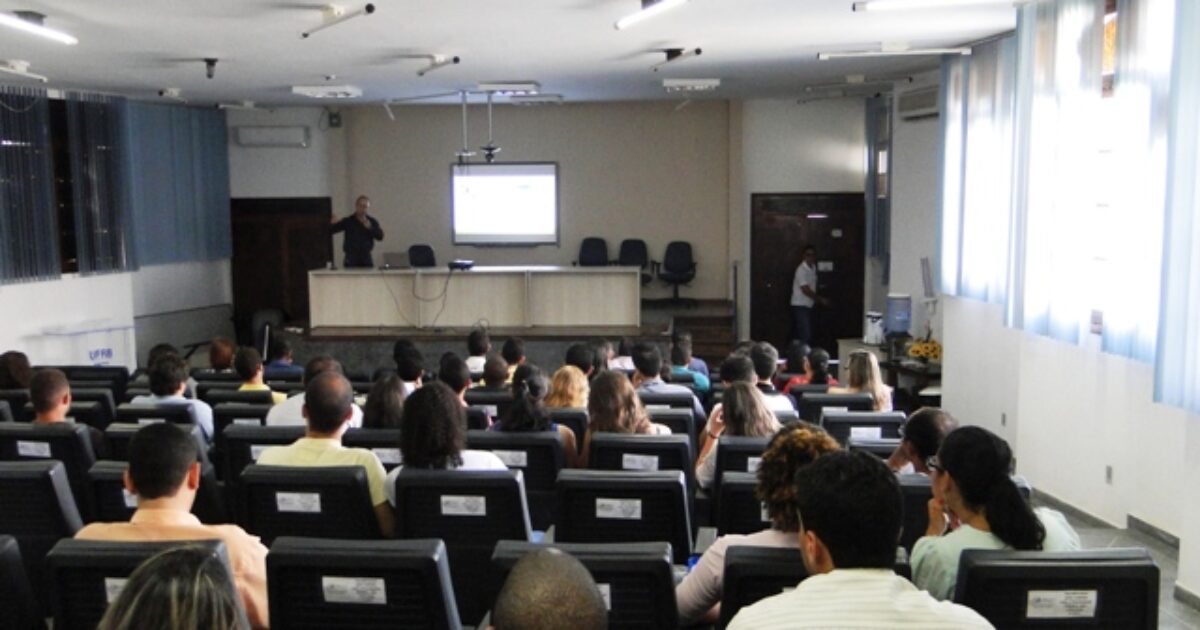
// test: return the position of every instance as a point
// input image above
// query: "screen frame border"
(557, 203)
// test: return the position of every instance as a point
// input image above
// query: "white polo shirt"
(291, 413)
(805, 277)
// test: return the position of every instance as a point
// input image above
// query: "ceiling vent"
(918, 104)
(327, 91)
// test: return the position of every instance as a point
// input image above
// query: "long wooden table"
(529, 297)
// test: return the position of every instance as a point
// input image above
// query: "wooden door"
(781, 225)
(275, 244)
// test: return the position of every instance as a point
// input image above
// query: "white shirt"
(475, 364)
(471, 460)
(805, 277)
(778, 402)
(856, 599)
(290, 413)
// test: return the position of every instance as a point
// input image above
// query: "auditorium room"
(599, 314)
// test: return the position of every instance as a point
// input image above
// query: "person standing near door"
(804, 295)
(362, 230)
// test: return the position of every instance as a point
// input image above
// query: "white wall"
(49, 321)
(280, 171)
(181, 303)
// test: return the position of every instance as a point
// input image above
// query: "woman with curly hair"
(568, 389)
(614, 407)
(794, 446)
(743, 412)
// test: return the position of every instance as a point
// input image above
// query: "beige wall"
(626, 170)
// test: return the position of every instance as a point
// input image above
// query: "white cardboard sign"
(513, 459)
(388, 455)
(866, 433)
(113, 587)
(752, 464)
(354, 590)
(625, 509)
(304, 502)
(1061, 605)
(458, 505)
(631, 461)
(33, 449)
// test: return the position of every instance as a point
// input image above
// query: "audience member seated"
(50, 393)
(15, 370)
(157, 352)
(766, 363)
(385, 404)
(433, 436)
(328, 409)
(410, 364)
(568, 389)
(602, 353)
(456, 375)
(282, 363)
(624, 359)
(581, 356)
(743, 412)
(168, 381)
(737, 368)
(185, 588)
(647, 379)
(614, 407)
(495, 374)
(247, 362)
(528, 412)
(513, 352)
(865, 378)
(478, 345)
(695, 364)
(549, 590)
(681, 362)
(816, 371)
(220, 354)
(164, 475)
(923, 434)
(795, 445)
(291, 411)
(848, 509)
(976, 505)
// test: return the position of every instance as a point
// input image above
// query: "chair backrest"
(39, 510)
(91, 413)
(678, 256)
(118, 435)
(110, 502)
(477, 419)
(210, 375)
(65, 442)
(1095, 588)
(149, 414)
(574, 419)
(916, 491)
(217, 396)
(117, 376)
(674, 400)
(679, 420)
(385, 443)
(619, 451)
(99, 417)
(320, 502)
(785, 416)
(421, 255)
(237, 414)
(843, 425)
(635, 579)
(17, 604)
(593, 252)
(204, 389)
(598, 506)
(17, 399)
(538, 454)
(633, 253)
(754, 573)
(812, 405)
(737, 453)
(90, 574)
(492, 401)
(471, 511)
(798, 391)
(6, 412)
(243, 445)
(881, 448)
(348, 584)
(738, 511)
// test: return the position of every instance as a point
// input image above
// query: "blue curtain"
(29, 248)
(179, 183)
(98, 181)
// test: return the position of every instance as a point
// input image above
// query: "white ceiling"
(758, 48)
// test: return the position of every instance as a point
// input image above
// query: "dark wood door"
(275, 244)
(781, 225)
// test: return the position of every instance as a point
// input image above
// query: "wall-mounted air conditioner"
(293, 136)
(918, 104)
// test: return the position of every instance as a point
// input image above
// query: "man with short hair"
(737, 368)
(849, 507)
(696, 364)
(362, 230)
(681, 362)
(50, 394)
(495, 373)
(647, 379)
(168, 381)
(548, 590)
(766, 362)
(582, 357)
(282, 364)
(247, 362)
(328, 405)
(804, 295)
(478, 345)
(291, 411)
(410, 364)
(455, 374)
(513, 352)
(164, 474)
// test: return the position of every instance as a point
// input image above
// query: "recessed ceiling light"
(691, 85)
(31, 22)
(327, 91)
(510, 88)
(536, 99)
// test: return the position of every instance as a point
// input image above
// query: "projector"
(460, 264)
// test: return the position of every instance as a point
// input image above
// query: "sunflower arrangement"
(927, 350)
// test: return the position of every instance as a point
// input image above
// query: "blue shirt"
(656, 386)
(279, 367)
(201, 413)
(700, 381)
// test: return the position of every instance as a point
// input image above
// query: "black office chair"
(110, 502)
(236, 414)
(385, 443)
(785, 416)
(1094, 588)
(539, 455)
(680, 400)
(216, 396)
(17, 399)
(319, 502)
(633, 253)
(244, 443)
(635, 578)
(47, 513)
(574, 419)
(214, 376)
(91, 413)
(495, 403)
(129, 413)
(471, 511)
(6, 412)
(812, 404)
(679, 421)
(738, 510)
(421, 256)
(321, 584)
(619, 451)
(798, 391)
(677, 267)
(593, 252)
(915, 490)
(873, 425)
(754, 573)
(477, 419)
(881, 448)
(205, 388)
(104, 414)
(60, 441)
(17, 607)
(737, 453)
(602, 506)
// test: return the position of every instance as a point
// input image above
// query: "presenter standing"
(362, 230)
(804, 296)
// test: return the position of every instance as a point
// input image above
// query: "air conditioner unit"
(293, 136)
(918, 104)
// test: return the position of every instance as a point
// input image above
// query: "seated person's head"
(478, 342)
(602, 351)
(528, 412)
(924, 432)
(817, 366)
(849, 511)
(410, 363)
(582, 357)
(797, 352)
(15, 370)
(162, 462)
(614, 406)
(455, 374)
(247, 362)
(49, 391)
(513, 351)
(385, 403)
(738, 368)
(158, 351)
(549, 590)
(743, 347)
(281, 350)
(495, 371)
(625, 347)
(795, 445)
(766, 360)
(568, 389)
(647, 360)
(432, 430)
(745, 412)
(328, 403)
(220, 353)
(319, 365)
(681, 351)
(186, 587)
(168, 375)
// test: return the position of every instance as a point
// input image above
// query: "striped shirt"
(856, 599)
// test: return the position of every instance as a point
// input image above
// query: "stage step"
(713, 336)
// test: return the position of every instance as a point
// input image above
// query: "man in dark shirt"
(361, 233)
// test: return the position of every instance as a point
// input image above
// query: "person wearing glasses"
(865, 378)
(976, 505)
(921, 437)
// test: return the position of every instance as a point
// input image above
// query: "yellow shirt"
(329, 452)
(247, 555)
(276, 397)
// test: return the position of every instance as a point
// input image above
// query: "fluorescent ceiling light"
(510, 88)
(536, 99)
(691, 85)
(336, 14)
(327, 91)
(915, 52)
(31, 22)
(650, 8)
(909, 5)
